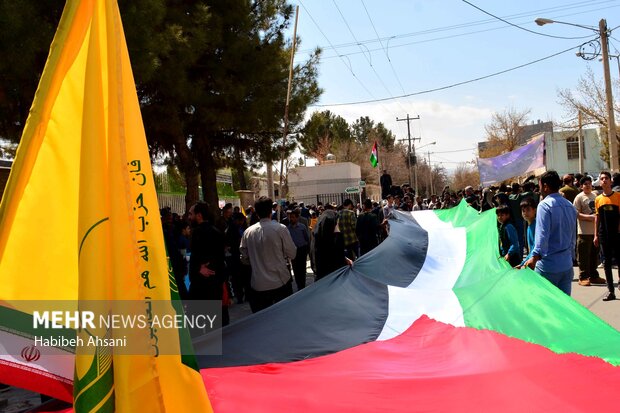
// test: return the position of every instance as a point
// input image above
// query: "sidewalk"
(591, 298)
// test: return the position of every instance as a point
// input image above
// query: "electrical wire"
(330, 43)
(457, 150)
(385, 49)
(451, 85)
(474, 23)
(341, 58)
(323, 58)
(359, 45)
(520, 27)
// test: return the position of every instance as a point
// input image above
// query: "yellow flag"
(79, 220)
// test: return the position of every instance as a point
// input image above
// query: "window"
(572, 148)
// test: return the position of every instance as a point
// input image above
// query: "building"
(562, 151)
(323, 183)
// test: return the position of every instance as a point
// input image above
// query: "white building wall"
(557, 154)
(306, 182)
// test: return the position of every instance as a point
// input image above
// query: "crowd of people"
(258, 253)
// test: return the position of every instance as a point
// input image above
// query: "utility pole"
(409, 153)
(288, 99)
(430, 173)
(580, 142)
(611, 127)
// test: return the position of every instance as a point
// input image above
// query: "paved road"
(591, 298)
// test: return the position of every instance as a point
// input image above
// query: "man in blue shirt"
(556, 229)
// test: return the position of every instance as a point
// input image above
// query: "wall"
(557, 155)
(306, 182)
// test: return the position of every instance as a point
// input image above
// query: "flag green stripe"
(520, 303)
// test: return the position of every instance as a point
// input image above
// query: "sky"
(381, 49)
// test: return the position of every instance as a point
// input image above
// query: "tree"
(27, 29)
(209, 104)
(589, 98)
(503, 133)
(465, 175)
(24, 51)
(426, 173)
(322, 132)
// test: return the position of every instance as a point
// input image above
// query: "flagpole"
(288, 98)
(379, 173)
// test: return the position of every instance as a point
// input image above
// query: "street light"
(542, 21)
(614, 164)
(415, 170)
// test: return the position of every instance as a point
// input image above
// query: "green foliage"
(211, 77)
(326, 132)
(322, 132)
(26, 32)
(225, 190)
(220, 87)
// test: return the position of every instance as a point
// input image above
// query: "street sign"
(352, 190)
(362, 184)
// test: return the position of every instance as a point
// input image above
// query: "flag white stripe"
(52, 362)
(431, 291)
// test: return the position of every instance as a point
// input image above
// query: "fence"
(176, 202)
(337, 198)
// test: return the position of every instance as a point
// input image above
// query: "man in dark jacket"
(367, 228)
(206, 265)
(386, 184)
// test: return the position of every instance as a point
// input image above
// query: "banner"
(518, 162)
(80, 221)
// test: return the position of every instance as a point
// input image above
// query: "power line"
(330, 43)
(341, 58)
(451, 85)
(421, 41)
(522, 28)
(456, 150)
(385, 49)
(476, 23)
(359, 45)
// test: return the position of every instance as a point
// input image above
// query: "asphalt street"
(591, 298)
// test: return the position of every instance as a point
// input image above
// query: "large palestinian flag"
(431, 320)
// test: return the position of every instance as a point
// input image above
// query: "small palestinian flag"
(374, 155)
(430, 320)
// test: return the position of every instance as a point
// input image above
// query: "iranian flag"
(431, 320)
(374, 155)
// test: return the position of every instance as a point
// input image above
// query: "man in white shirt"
(389, 207)
(587, 253)
(266, 246)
